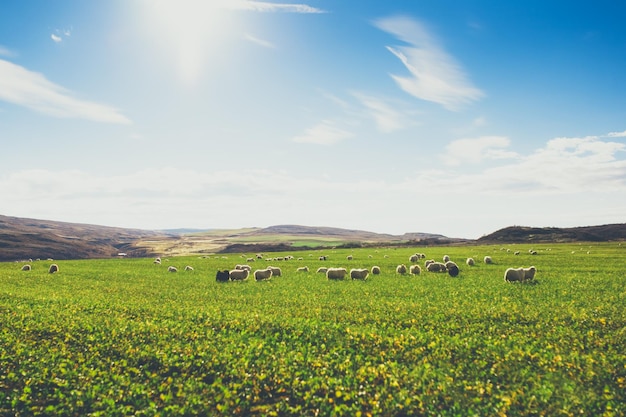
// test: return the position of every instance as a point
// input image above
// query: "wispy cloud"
(475, 150)
(435, 75)
(4, 51)
(55, 38)
(325, 133)
(386, 117)
(259, 41)
(59, 34)
(21, 86)
(617, 134)
(264, 6)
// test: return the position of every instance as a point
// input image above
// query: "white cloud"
(435, 75)
(4, 51)
(325, 133)
(59, 34)
(387, 118)
(55, 38)
(264, 6)
(617, 134)
(21, 86)
(475, 150)
(258, 41)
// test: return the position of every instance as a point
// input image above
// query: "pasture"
(125, 337)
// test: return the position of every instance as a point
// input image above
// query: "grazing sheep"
(436, 267)
(446, 258)
(375, 270)
(172, 269)
(248, 267)
(428, 262)
(516, 253)
(533, 252)
(470, 261)
(189, 268)
(303, 269)
(415, 269)
(263, 274)
(359, 273)
(222, 276)
(276, 272)
(414, 258)
(453, 269)
(401, 269)
(157, 260)
(322, 269)
(323, 258)
(349, 257)
(336, 273)
(26, 268)
(239, 274)
(53, 268)
(488, 260)
(520, 274)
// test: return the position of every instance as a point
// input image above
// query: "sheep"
(488, 260)
(238, 274)
(446, 258)
(533, 252)
(276, 271)
(336, 273)
(401, 269)
(359, 273)
(519, 274)
(470, 261)
(53, 268)
(375, 270)
(349, 257)
(189, 268)
(172, 269)
(323, 258)
(248, 267)
(453, 268)
(415, 269)
(428, 262)
(414, 258)
(157, 260)
(322, 270)
(222, 276)
(263, 274)
(303, 269)
(26, 268)
(436, 267)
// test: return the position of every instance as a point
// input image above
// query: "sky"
(457, 118)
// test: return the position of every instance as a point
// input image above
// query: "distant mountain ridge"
(520, 234)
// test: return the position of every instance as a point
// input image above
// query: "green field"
(125, 337)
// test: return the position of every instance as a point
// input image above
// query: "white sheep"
(470, 261)
(172, 269)
(428, 262)
(276, 271)
(359, 274)
(519, 274)
(53, 268)
(248, 267)
(349, 257)
(446, 258)
(322, 269)
(26, 268)
(375, 270)
(516, 253)
(238, 274)
(401, 269)
(336, 273)
(263, 274)
(189, 268)
(436, 267)
(415, 269)
(303, 269)
(488, 260)
(414, 258)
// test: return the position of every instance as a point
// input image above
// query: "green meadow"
(124, 337)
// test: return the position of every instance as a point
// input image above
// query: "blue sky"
(446, 117)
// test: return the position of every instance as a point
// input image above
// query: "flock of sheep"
(243, 272)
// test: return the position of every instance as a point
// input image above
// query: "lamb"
(375, 270)
(222, 276)
(336, 273)
(359, 273)
(488, 260)
(453, 269)
(415, 269)
(172, 269)
(428, 262)
(238, 274)
(26, 268)
(276, 272)
(303, 269)
(470, 261)
(263, 274)
(446, 258)
(520, 274)
(401, 269)
(53, 268)
(322, 270)
(436, 267)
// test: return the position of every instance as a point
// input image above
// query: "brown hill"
(22, 238)
(520, 234)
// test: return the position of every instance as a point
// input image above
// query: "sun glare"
(189, 31)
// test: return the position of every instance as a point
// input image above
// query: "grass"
(124, 337)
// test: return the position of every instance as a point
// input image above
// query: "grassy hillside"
(124, 337)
